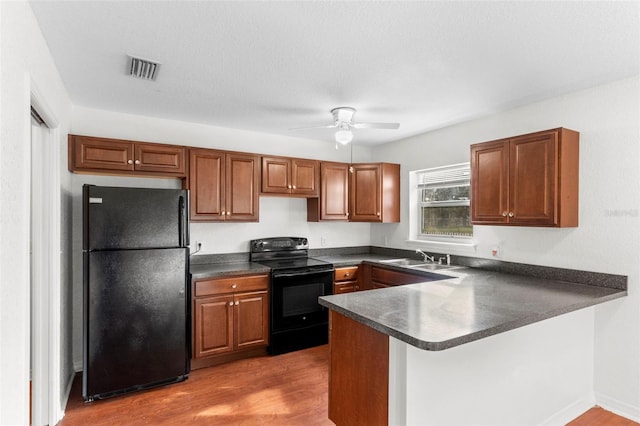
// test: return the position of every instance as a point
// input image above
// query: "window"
(443, 202)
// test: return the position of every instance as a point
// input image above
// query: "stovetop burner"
(308, 262)
(285, 253)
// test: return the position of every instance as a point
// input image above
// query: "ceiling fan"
(343, 122)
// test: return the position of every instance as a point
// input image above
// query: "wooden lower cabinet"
(346, 280)
(358, 373)
(230, 317)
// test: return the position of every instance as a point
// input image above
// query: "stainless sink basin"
(431, 266)
(404, 262)
(416, 264)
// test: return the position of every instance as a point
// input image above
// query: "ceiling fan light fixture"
(344, 136)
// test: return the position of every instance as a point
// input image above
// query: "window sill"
(450, 247)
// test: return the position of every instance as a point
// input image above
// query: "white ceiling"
(270, 66)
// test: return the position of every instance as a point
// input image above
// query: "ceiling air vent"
(143, 68)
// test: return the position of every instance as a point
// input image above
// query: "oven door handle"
(298, 274)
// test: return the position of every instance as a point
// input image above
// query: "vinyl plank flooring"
(289, 389)
(597, 416)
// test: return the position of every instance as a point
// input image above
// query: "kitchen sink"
(417, 264)
(431, 266)
(404, 262)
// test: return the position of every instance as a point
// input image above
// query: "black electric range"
(297, 321)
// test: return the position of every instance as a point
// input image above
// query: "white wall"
(608, 119)
(539, 374)
(278, 215)
(24, 62)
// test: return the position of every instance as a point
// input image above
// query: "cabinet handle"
(228, 213)
(357, 287)
(294, 187)
(137, 161)
(230, 303)
(237, 302)
(129, 161)
(378, 214)
(504, 214)
(289, 186)
(510, 214)
(233, 286)
(223, 213)
(346, 274)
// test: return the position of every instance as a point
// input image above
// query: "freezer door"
(135, 320)
(131, 218)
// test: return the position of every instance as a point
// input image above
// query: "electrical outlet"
(323, 241)
(496, 251)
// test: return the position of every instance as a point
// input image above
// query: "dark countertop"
(352, 259)
(471, 305)
(221, 269)
(213, 270)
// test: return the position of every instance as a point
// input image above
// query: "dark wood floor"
(600, 417)
(289, 389)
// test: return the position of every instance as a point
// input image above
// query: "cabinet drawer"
(390, 277)
(231, 285)
(350, 273)
(345, 287)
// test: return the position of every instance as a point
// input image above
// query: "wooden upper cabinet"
(374, 193)
(290, 176)
(223, 186)
(333, 203)
(528, 180)
(101, 155)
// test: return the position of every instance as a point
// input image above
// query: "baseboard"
(66, 394)
(570, 412)
(618, 407)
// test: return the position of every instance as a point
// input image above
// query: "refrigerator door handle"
(183, 228)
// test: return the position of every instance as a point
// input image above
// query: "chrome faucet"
(427, 258)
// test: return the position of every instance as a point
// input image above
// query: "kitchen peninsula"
(476, 348)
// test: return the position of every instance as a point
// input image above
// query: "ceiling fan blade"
(375, 125)
(315, 127)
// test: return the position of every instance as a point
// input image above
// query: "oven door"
(294, 298)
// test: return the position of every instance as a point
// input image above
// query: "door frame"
(46, 325)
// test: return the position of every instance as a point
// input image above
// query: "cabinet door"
(533, 179)
(91, 153)
(251, 319)
(489, 182)
(334, 193)
(206, 184)
(276, 175)
(213, 326)
(242, 187)
(305, 177)
(365, 193)
(163, 159)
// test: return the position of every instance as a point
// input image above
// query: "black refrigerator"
(136, 330)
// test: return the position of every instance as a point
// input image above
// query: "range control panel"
(279, 244)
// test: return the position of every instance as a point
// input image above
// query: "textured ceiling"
(271, 66)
